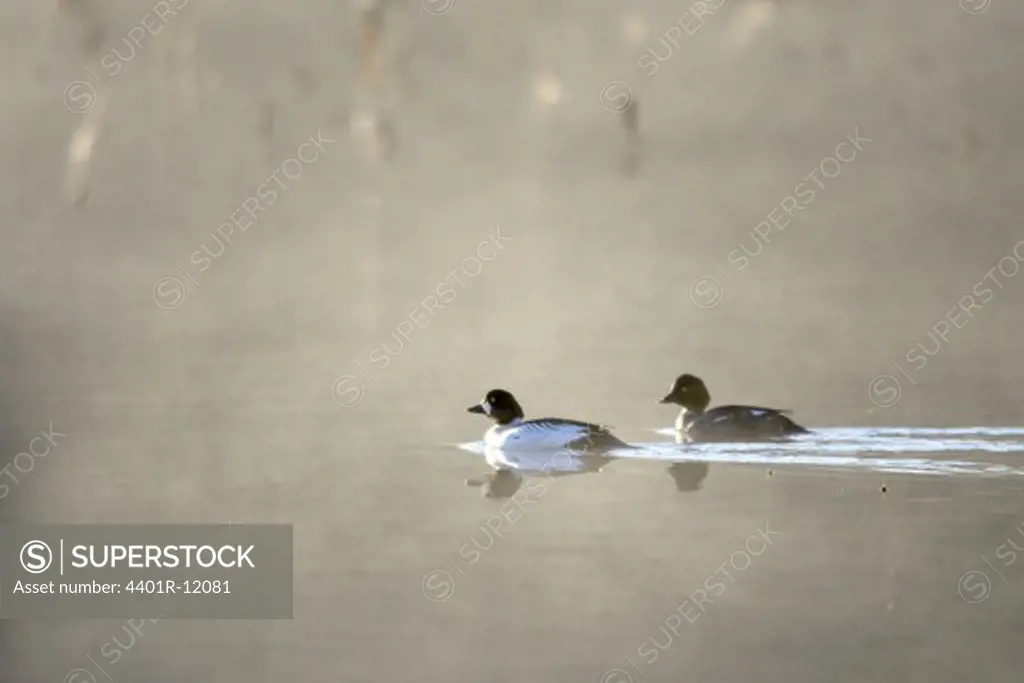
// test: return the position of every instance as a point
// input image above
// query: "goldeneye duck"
(724, 423)
(512, 432)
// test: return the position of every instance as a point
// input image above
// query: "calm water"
(886, 547)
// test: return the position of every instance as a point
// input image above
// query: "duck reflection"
(514, 470)
(688, 476)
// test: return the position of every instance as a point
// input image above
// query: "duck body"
(512, 432)
(550, 433)
(697, 423)
(737, 423)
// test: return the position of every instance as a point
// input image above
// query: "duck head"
(499, 405)
(689, 392)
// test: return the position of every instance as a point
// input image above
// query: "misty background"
(486, 117)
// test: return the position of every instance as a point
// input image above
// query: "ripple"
(843, 448)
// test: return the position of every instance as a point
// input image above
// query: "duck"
(512, 432)
(724, 423)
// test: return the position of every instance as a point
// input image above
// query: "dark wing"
(730, 423)
(591, 436)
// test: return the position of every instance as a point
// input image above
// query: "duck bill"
(476, 408)
(667, 399)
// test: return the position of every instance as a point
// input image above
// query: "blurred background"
(553, 197)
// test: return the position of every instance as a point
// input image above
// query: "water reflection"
(688, 476)
(513, 470)
(981, 451)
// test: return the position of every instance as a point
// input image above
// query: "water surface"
(873, 551)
